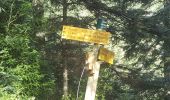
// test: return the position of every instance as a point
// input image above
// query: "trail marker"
(106, 55)
(91, 36)
(85, 35)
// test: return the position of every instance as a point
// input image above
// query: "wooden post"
(92, 83)
(93, 78)
(93, 75)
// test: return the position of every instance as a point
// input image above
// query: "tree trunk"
(38, 34)
(65, 83)
(167, 67)
(166, 57)
(64, 52)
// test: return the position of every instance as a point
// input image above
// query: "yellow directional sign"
(85, 35)
(106, 55)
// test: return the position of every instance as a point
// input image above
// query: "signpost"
(91, 36)
(103, 55)
(106, 55)
(85, 35)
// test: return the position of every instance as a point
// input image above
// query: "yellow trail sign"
(106, 55)
(85, 35)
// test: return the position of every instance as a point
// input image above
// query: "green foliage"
(20, 67)
(32, 54)
(142, 42)
(20, 63)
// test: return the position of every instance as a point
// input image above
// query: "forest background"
(35, 61)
